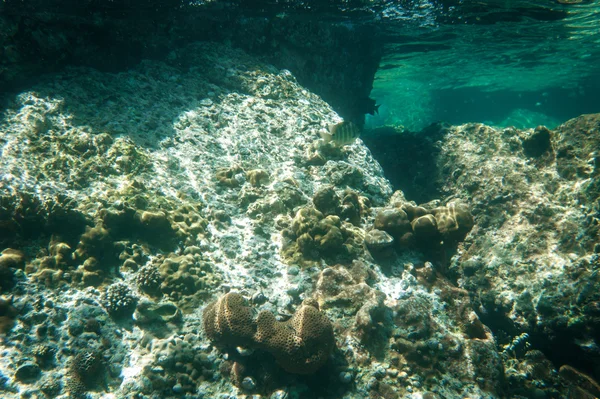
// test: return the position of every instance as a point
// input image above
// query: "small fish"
(367, 105)
(342, 133)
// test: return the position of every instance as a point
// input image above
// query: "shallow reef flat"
(181, 230)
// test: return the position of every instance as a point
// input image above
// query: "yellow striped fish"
(342, 133)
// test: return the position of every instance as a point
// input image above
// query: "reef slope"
(130, 201)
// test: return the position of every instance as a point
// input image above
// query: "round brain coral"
(229, 321)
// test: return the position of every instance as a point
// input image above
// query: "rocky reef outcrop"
(532, 261)
(131, 201)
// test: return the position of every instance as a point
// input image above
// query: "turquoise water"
(502, 63)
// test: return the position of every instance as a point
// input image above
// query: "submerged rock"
(28, 372)
(536, 231)
(163, 187)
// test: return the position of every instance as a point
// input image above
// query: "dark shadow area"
(268, 377)
(408, 159)
(562, 348)
(25, 218)
(329, 54)
(562, 345)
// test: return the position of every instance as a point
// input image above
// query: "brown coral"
(229, 321)
(392, 220)
(313, 235)
(300, 345)
(454, 220)
(425, 227)
(257, 177)
(227, 176)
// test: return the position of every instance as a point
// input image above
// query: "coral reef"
(533, 194)
(299, 345)
(85, 371)
(229, 321)
(178, 367)
(149, 279)
(323, 233)
(185, 276)
(115, 231)
(431, 228)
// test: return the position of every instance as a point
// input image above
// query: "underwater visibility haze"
(282, 199)
(518, 64)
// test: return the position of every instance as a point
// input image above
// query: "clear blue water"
(502, 63)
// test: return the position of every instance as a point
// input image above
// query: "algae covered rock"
(365, 314)
(140, 151)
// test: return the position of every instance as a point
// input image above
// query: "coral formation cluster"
(328, 228)
(426, 227)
